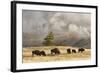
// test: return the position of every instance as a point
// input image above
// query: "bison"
(42, 53)
(81, 50)
(69, 51)
(55, 51)
(73, 51)
(36, 52)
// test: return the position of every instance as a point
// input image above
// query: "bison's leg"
(57, 52)
(32, 54)
(79, 50)
(82, 51)
(53, 53)
(44, 54)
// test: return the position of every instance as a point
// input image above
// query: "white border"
(21, 65)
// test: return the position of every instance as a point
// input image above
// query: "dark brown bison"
(81, 50)
(69, 51)
(36, 52)
(73, 51)
(55, 51)
(42, 53)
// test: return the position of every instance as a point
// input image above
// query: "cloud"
(78, 23)
(64, 25)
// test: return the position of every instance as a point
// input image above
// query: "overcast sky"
(67, 24)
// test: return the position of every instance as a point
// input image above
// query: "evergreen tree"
(48, 39)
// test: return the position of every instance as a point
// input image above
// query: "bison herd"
(38, 53)
(56, 51)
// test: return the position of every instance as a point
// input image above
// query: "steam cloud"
(65, 26)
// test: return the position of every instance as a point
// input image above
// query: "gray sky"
(67, 25)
